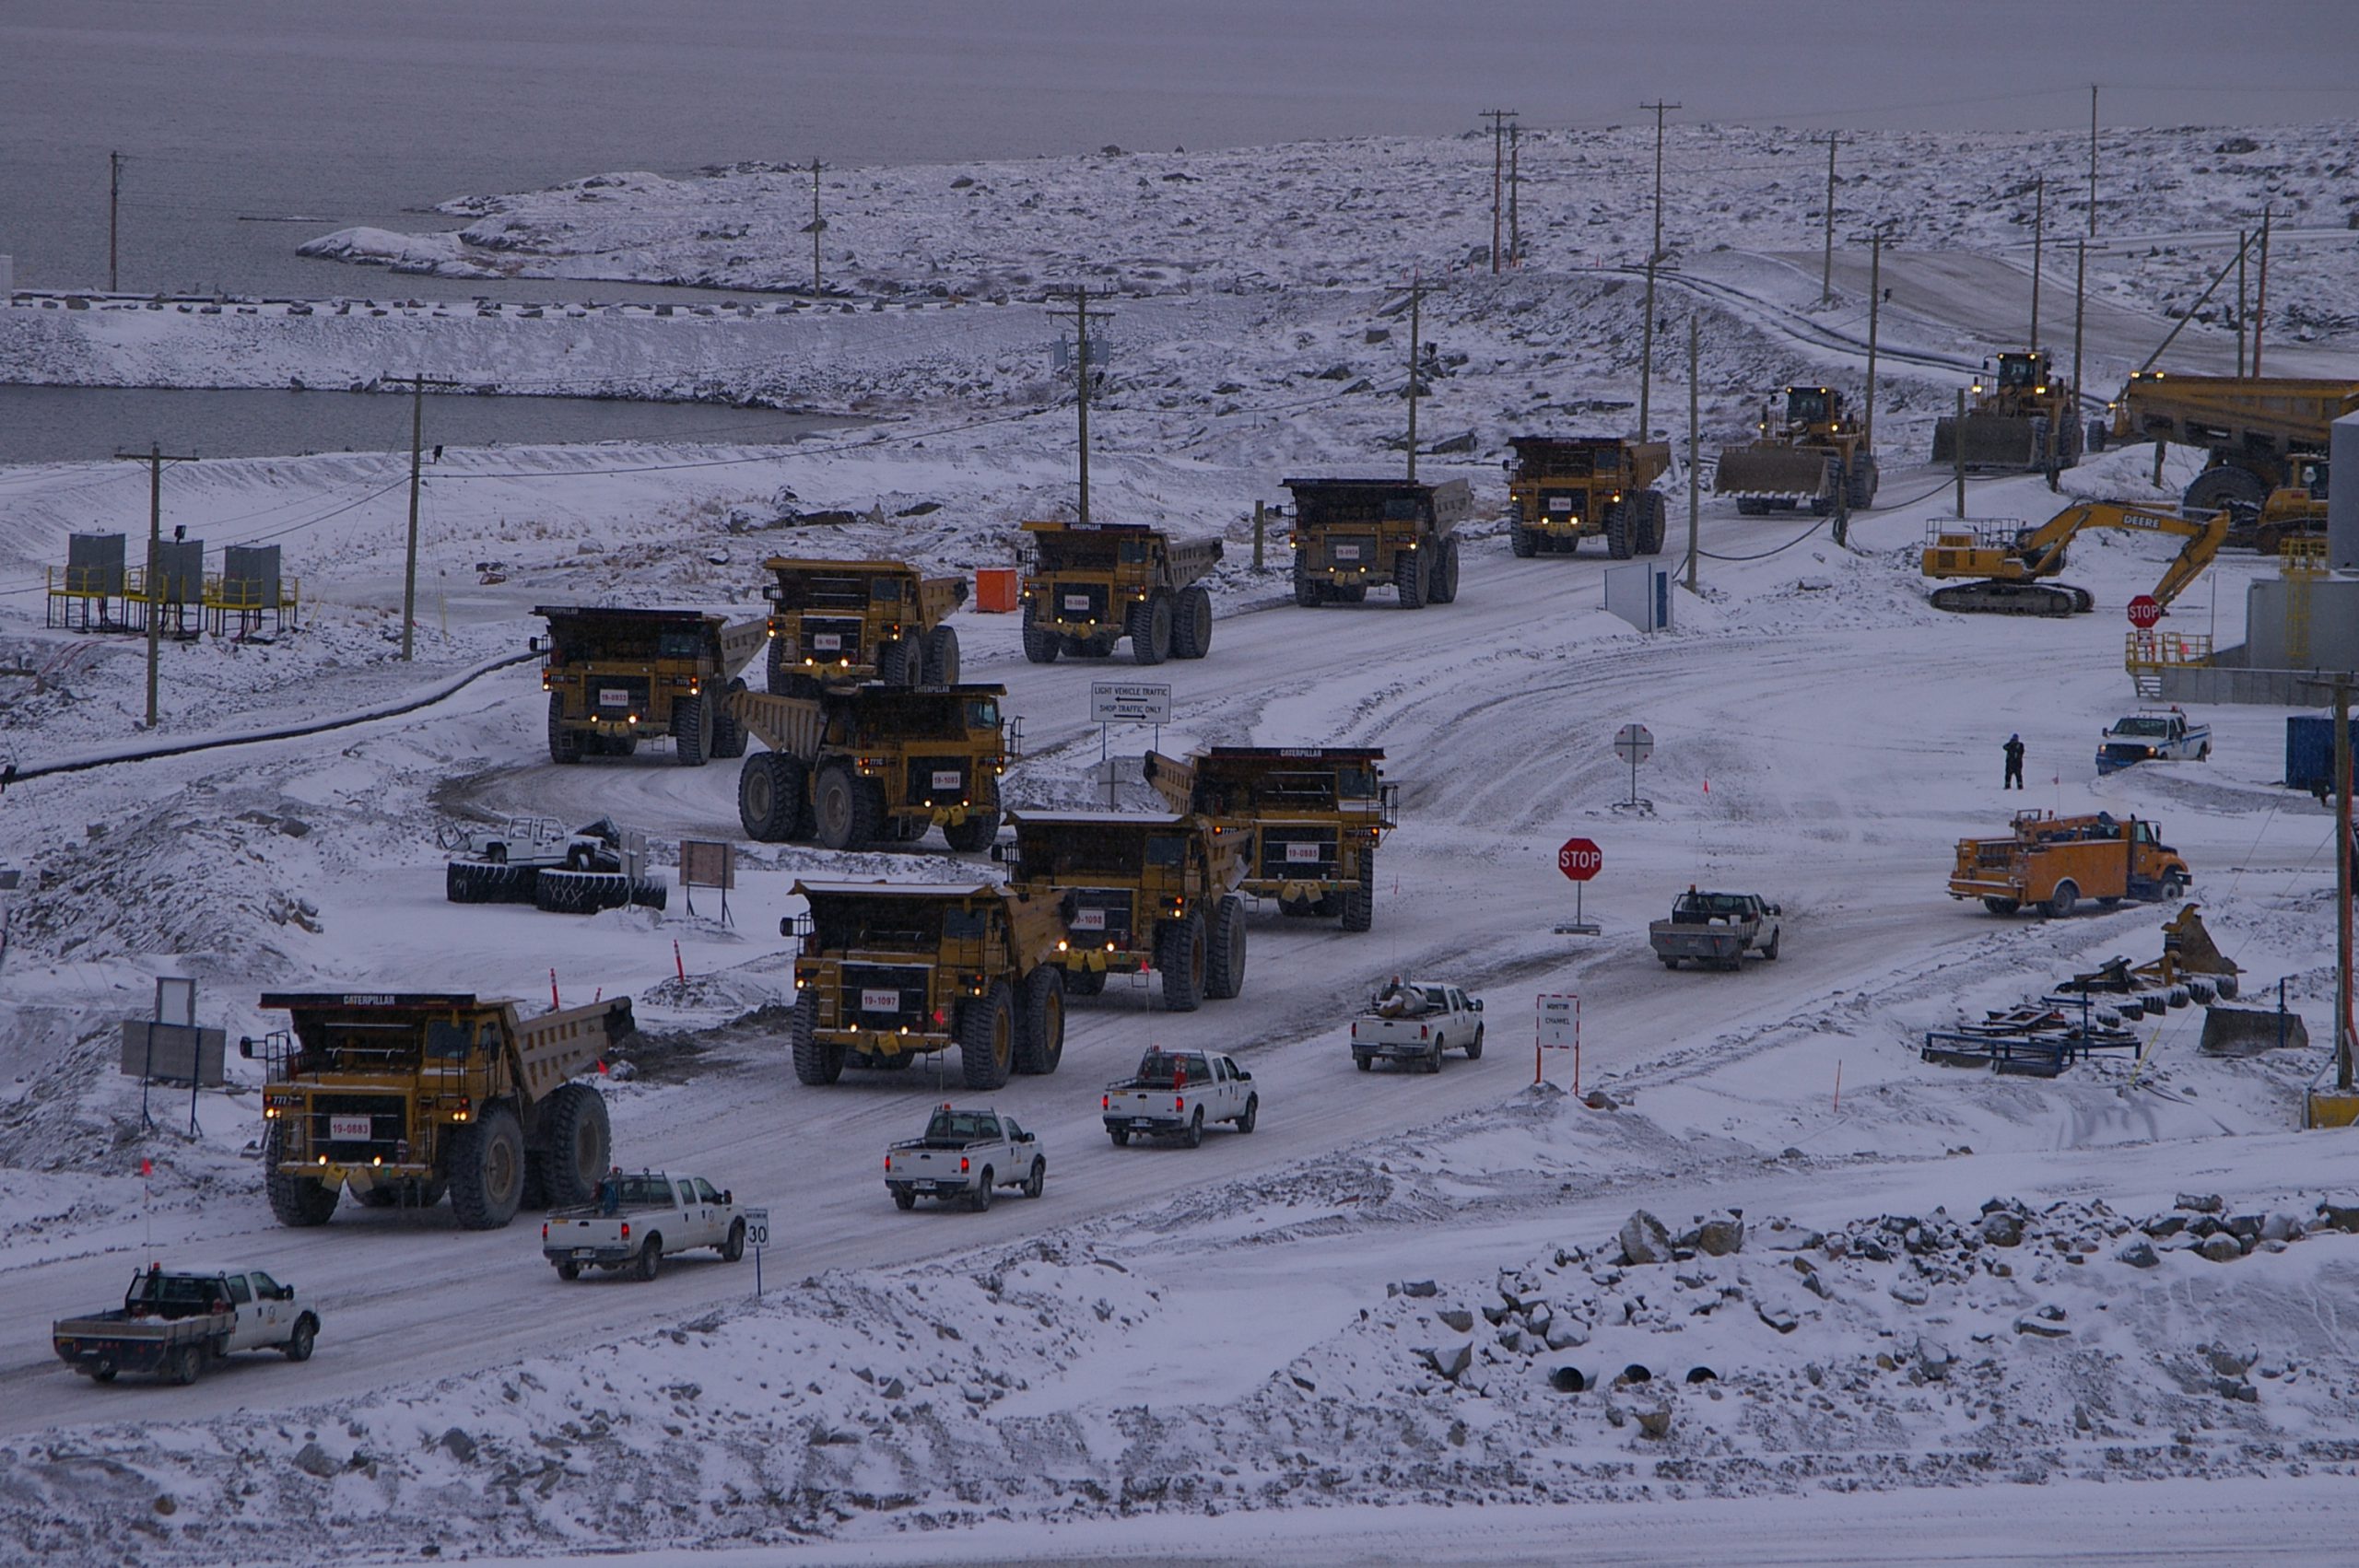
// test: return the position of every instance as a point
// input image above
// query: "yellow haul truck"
(403, 1096)
(1562, 489)
(845, 622)
(887, 971)
(2260, 430)
(1811, 456)
(1307, 820)
(1138, 892)
(619, 676)
(1350, 535)
(850, 768)
(1087, 586)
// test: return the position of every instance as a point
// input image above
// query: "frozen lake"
(251, 125)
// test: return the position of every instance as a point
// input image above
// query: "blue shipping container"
(2310, 752)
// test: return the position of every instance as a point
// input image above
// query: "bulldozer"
(2023, 419)
(2006, 561)
(1813, 456)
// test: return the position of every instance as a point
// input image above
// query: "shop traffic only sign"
(1581, 860)
(1129, 702)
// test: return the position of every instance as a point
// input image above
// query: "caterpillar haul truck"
(1138, 892)
(1350, 535)
(2023, 419)
(847, 622)
(2258, 431)
(2009, 559)
(1810, 457)
(1088, 585)
(1562, 489)
(1307, 820)
(876, 763)
(619, 676)
(401, 1096)
(887, 971)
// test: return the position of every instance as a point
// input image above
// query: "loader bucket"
(2249, 1031)
(1991, 441)
(1773, 474)
(2190, 947)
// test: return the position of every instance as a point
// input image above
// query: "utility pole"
(2244, 242)
(1081, 316)
(2342, 888)
(2260, 296)
(1875, 299)
(1498, 119)
(114, 203)
(818, 226)
(1826, 274)
(2039, 235)
(1695, 405)
(1416, 296)
(1654, 254)
(417, 385)
(1958, 452)
(2093, 160)
(155, 458)
(2080, 305)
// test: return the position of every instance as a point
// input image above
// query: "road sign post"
(2144, 610)
(1634, 744)
(758, 1236)
(1580, 859)
(1559, 1030)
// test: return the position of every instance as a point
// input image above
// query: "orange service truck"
(2051, 864)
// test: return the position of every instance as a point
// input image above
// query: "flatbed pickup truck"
(1718, 929)
(1174, 1094)
(177, 1322)
(1415, 1023)
(965, 1154)
(637, 1219)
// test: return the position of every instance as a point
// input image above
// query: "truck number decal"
(827, 642)
(349, 1129)
(1089, 920)
(1560, 503)
(945, 779)
(880, 1001)
(1077, 602)
(1347, 552)
(1298, 854)
(611, 696)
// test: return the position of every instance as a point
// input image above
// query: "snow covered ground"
(1400, 1311)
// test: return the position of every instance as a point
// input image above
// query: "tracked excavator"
(2007, 561)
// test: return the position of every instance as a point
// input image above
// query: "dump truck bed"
(2231, 412)
(558, 1046)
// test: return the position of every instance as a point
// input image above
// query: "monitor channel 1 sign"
(1129, 702)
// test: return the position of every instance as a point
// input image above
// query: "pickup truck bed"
(1718, 929)
(654, 1214)
(1176, 1094)
(1440, 1018)
(965, 1154)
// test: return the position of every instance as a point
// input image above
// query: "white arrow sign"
(1129, 702)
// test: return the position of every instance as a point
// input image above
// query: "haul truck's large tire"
(942, 657)
(1225, 964)
(977, 832)
(295, 1200)
(1654, 510)
(987, 1039)
(817, 1063)
(486, 1162)
(770, 787)
(564, 746)
(1041, 1042)
(1192, 623)
(847, 815)
(1148, 625)
(1041, 646)
(1182, 955)
(577, 1141)
(1359, 903)
(692, 731)
(1409, 578)
(728, 734)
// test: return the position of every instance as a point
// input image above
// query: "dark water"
(74, 424)
(251, 125)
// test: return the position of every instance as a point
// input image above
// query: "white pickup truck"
(1174, 1094)
(2153, 734)
(539, 841)
(1414, 1021)
(965, 1154)
(175, 1322)
(637, 1219)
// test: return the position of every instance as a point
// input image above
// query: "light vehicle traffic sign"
(2144, 610)
(1129, 702)
(1579, 858)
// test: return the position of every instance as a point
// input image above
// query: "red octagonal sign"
(1581, 860)
(2144, 610)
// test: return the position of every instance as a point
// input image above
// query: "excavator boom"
(2010, 570)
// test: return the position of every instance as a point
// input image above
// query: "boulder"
(1414, 1288)
(459, 1446)
(2200, 1203)
(1933, 1359)
(1458, 1319)
(1655, 1422)
(1720, 1235)
(2003, 1227)
(2282, 1227)
(2340, 1216)
(1567, 1333)
(1778, 1317)
(2229, 1362)
(2139, 1254)
(2220, 1246)
(2040, 1327)
(1645, 1239)
(314, 1460)
(1450, 1361)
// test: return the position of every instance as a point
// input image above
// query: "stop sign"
(1581, 858)
(2144, 610)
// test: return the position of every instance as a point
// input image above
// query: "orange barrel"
(996, 590)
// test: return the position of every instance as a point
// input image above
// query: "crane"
(2007, 562)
